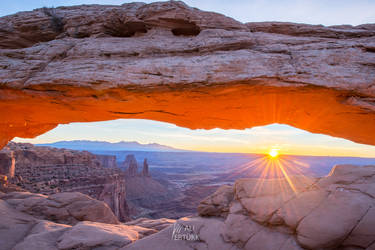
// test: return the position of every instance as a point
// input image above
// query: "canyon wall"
(48, 170)
(7, 165)
(170, 62)
(145, 196)
(107, 161)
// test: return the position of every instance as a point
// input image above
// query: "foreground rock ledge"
(66, 221)
(169, 62)
(333, 212)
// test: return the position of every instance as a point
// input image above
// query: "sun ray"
(287, 174)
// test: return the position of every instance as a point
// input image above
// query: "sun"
(273, 153)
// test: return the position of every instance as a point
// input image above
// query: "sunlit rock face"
(333, 212)
(169, 62)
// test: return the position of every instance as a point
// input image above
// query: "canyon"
(333, 212)
(48, 170)
(130, 193)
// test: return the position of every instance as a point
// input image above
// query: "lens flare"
(288, 171)
(273, 153)
(269, 181)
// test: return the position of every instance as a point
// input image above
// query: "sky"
(287, 139)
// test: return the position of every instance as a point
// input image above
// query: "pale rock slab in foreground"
(334, 212)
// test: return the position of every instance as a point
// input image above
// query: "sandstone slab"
(14, 225)
(217, 204)
(68, 208)
(208, 230)
(43, 235)
(157, 224)
(170, 62)
(94, 234)
(333, 212)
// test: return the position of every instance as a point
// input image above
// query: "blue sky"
(259, 139)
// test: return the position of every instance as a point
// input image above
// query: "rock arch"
(214, 72)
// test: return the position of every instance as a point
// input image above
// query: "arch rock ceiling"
(169, 62)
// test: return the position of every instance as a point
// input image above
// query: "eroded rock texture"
(67, 208)
(145, 196)
(107, 161)
(334, 212)
(169, 62)
(48, 170)
(130, 166)
(66, 221)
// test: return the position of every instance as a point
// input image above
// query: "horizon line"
(192, 150)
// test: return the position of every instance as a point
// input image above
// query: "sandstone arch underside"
(173, 63)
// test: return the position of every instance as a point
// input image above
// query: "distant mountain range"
(108, 146)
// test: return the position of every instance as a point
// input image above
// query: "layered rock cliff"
(48, 170)
(144, 195)
(169, 62)
(107, 161)
(130, 166)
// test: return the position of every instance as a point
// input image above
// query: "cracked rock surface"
(66, 221)
(66, 208)
(333, 212)
(170, 62)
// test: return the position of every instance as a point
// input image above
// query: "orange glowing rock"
(200, 70)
